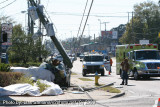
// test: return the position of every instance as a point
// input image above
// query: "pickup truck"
(93, 63)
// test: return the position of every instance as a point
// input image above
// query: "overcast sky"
(66, 14)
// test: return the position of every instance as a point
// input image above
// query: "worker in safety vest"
(111, 62)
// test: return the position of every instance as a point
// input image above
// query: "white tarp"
(23, 89)
(37, 72)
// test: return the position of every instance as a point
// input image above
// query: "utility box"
(33, 13)
(49, 29)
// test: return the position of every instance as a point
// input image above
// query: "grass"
(42, 86)
(85, 79)
(73, 73)
(109, 89)
(24, 79)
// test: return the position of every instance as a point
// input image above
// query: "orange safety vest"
(111, 62)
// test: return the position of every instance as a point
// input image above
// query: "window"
(93, 58)
(143, 55)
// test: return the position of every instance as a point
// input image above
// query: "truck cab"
(144, 63)
(93, 63)
(144, 60)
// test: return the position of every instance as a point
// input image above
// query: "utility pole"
(105, 26)
(29, 26)
(100, 36)
(132, 29)
(89, 33)
(58, 45)
(105, 35)
(128, 17)
(39, 2)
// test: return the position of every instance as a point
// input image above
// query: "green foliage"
(37, 64)
(109, 89)
(4, 67)
(42, 86)
(85, 79)
(24, 48)
(8, 78)
(145, 24)
(24, 79)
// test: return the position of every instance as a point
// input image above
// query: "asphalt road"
(140, 93)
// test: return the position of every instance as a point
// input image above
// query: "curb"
(118, 95)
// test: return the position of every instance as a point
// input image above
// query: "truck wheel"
(83, 73)
(102, 73)
(136, 76)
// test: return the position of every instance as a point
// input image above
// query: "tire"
(102, 73)
(83, 73)
(136, 75)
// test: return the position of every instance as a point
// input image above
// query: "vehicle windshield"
(93, 58)
(143, 55)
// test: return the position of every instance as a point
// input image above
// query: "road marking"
(131, 91)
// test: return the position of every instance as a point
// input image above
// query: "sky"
(66, 15)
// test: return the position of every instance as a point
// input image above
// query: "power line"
(87, 17)
(86, 21)
(82, 18)
(3, 1)
(8, 4)
(77, 14)
(47, 4)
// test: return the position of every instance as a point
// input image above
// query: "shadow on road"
(143, 79)
(94, 76)
(131, 85)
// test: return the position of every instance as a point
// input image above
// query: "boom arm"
(60, 48)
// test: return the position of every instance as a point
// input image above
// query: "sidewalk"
(69, 94)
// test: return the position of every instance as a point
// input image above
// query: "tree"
(145, 24)
(24, 49)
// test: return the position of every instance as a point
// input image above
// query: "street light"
(100, 26)
(88, 32)
(24, 12)
(100, 31)
(105, 25)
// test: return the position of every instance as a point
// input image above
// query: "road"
(140, 93)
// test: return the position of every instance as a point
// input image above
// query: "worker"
(111, 62)
(125, 68)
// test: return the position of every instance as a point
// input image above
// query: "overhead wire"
(82, 18)
(47, 4)
(86, 21)
(77, 14)
(3, 1)
(7, 4)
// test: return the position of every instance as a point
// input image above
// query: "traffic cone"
(158, 105)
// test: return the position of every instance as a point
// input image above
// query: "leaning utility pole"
(58, 45)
